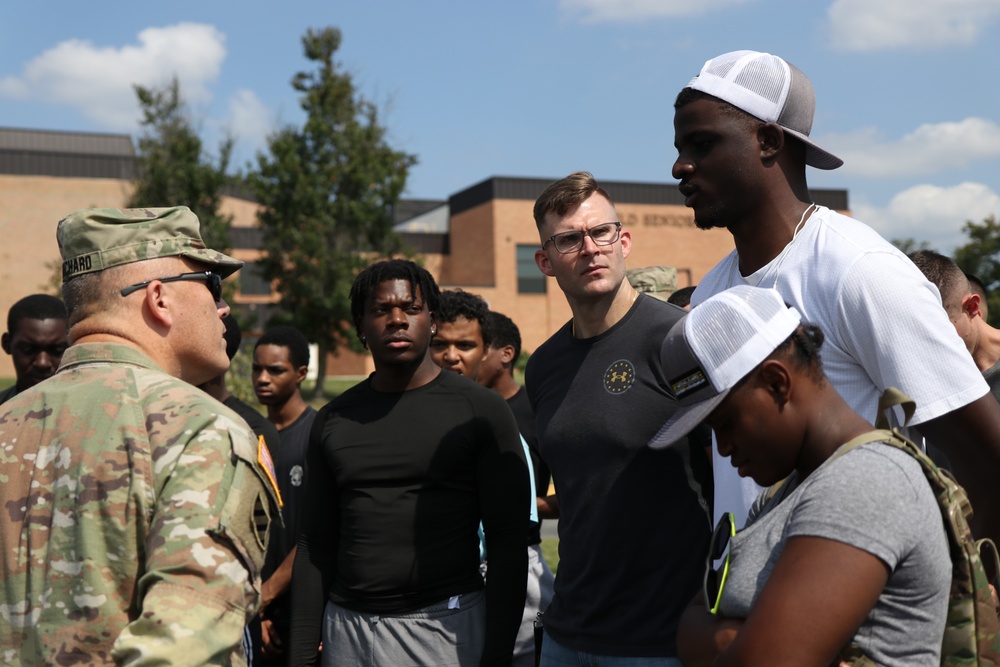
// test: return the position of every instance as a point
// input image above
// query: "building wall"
(661, 234)
(31, 208)
(482, 256)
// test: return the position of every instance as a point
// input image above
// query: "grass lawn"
(550, 550)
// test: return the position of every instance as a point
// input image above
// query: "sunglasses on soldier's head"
(213, 281)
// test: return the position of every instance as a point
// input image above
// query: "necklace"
(776, 263)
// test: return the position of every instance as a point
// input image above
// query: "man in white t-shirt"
(741, 129)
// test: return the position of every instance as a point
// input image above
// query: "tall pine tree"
(327, 192)
(174, 169)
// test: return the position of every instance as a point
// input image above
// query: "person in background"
(36, 337)
(280, 365)
(682, 297)
(964, 308)
(497, 373)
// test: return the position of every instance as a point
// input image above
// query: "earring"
(364, 342)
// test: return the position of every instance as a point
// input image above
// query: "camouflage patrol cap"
(94, 239)
(657, 281)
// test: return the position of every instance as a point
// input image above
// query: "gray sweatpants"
(433, 635)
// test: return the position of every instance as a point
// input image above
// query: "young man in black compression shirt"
(403, 467)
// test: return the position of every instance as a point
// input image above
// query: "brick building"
(481, 239)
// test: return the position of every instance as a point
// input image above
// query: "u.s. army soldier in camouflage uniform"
(134, 508)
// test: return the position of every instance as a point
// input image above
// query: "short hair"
(504, 332)
(976, 285)
(944, 273)
(287, 337)
(562, 195)
(35, 307)
(233, 335)
(459, 303)
(370, 278)
(681, 297)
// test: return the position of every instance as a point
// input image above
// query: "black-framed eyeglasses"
(715, 577)
(212, 280)
(567, 242)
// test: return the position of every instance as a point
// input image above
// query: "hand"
(267, 595)
(269, 638)
(993, 596)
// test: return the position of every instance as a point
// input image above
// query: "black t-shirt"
(290, 466)
(521, 407)
(398, 483)
(633, 526)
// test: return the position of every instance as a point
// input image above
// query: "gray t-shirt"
(875, 498)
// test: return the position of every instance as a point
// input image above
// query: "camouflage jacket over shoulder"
(134, 518)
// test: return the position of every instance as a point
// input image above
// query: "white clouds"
(98, 80)
(597, 11)
(929, 149)
(931, 213)
(874, 25)
(251, 121)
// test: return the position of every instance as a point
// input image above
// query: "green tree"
(174, 168)
(981, 257)
(909, 245)
(327, 192)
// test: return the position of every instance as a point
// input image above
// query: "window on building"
(529, 279)
(252, 280)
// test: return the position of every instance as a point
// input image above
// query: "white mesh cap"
(768, 88)
(715, 346)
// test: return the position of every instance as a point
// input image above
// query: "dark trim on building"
(67, 165)
(407, 209)
(622, 192)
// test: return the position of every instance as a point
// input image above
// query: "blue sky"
(908, 91)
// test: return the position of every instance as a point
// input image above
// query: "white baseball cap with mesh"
(709, 350)
(769, 88)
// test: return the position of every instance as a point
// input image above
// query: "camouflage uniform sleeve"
(206, 542)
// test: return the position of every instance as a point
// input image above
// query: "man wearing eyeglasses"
(633, 525)
(138, 507)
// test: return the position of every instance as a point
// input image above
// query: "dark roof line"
(622, 192)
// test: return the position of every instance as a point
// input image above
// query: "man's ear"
(5, 342)
(970, 306)
(543, 263)
(776, 378)
(507, 355)
(158, 303)
(771, 139)
(300, 374)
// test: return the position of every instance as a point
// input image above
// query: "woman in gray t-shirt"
(850, 550)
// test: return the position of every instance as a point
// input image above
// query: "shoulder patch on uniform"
(267, 465)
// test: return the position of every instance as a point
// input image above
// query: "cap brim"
(224, 265)
(684, 420)
(816, 156)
